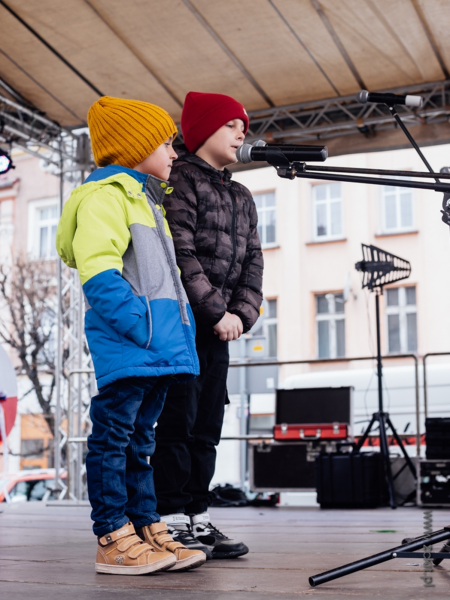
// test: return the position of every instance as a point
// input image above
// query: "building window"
(401, 320)
(47, 224)
(6, 228)
(397, 209)
(270, 328)
(267, 218)
(330, 326)
(42, 225)
(327, 210)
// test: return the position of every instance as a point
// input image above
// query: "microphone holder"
(303, 170)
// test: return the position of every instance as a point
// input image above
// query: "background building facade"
(311, 233)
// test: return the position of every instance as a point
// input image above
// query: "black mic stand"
(380, 268)
(290, 170)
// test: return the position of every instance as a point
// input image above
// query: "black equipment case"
(284, 466)
(437, 437)
(433, 483)
(313, 413)
(350, 480)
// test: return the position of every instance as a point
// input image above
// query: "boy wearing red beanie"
(214, 226)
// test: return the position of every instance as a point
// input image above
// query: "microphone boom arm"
(305, 171)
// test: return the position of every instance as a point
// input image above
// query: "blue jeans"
(119, 476)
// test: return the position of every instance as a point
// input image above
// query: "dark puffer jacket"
(214, 226)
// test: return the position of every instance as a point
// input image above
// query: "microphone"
(390, 99)
(280, 155)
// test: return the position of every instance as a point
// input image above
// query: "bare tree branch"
(28, 301)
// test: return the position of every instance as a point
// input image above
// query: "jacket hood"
(215, 175)
(131, 181)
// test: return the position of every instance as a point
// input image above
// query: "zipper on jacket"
(233, 236)
(172, 265)
(150, 325)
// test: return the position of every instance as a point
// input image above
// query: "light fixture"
(6, 162)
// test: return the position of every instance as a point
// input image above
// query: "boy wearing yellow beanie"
(139, 327)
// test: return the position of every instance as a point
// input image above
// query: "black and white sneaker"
(180, 529)
(218, 543)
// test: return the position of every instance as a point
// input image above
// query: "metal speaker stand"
(380, 268)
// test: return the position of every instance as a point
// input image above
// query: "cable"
(47, 45)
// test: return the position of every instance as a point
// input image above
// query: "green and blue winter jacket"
(138, 320)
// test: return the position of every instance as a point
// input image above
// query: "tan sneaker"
(158, 537)
(122, 552)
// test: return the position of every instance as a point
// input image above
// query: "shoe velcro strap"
(201, 518)
(129, 541)
(136, 551)
(163, 538)
(176, 519)
(157, 528)
(172, 546)
(124, 531)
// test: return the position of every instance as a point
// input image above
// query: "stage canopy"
(294, 64)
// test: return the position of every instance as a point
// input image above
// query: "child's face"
(159, 162)
(219, 150)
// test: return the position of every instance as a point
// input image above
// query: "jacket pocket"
(141, 332)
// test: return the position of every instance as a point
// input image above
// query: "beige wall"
(34, 183)
(299, 268)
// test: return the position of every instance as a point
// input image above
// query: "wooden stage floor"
(47, 552)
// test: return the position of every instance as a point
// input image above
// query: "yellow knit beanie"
(124, 132)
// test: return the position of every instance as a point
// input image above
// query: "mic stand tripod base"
(384, 421)
(404, 551)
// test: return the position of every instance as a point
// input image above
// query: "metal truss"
(343, 116)
(27, 128)
(77, 377)
(67, 156)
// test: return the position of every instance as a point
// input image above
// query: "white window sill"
(269, 246)
(326, 240)
(396, 232)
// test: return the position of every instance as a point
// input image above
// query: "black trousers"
(188, 432)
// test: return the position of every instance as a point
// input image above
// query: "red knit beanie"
(203, 114)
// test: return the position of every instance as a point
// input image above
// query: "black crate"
(438, 452)
(437, 425)
(283, 466)
(314, 405)
(437, 438)
(350, 480)
(433, 483)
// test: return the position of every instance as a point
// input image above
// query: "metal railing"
(244, 439)
(280, 363)
(425, 382)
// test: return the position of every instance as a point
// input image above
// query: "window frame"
(402, 309)
(327, 201)
(399, 229)
(6, 226)
(271, 322)
(261, 216)
(331, 317)
(33, 237)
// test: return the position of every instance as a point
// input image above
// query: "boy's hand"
(229, 327)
